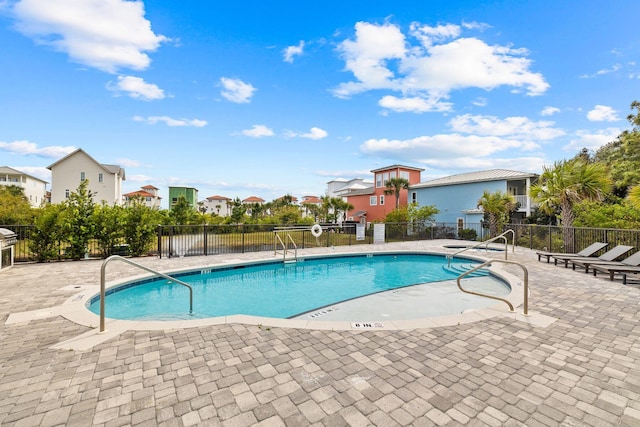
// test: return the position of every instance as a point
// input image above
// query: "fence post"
(204, 232)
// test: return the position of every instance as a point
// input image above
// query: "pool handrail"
(285, 249)
(135, 264)
(486, 245)
(488, 264)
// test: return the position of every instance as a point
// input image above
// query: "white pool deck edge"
(75, 310)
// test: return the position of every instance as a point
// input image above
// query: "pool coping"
(75, 310)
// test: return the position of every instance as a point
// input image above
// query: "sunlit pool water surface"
(275, 289)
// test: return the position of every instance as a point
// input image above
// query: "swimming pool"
(288, 290)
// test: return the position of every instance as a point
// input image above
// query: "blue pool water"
(273, 289)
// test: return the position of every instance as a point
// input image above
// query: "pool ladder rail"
(135, 264)
(285, 247)
(486, 245)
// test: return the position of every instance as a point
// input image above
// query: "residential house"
(457, 196)
(340, 186)
(218, 205)
(147, 194)
(371, 203)
(189, 193)
(35, 189)
(251, 200)
(309, 204)
(105, 181)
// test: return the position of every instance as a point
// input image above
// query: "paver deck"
(581, 370)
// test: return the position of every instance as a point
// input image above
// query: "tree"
(14, 206)
(109, 227)
(395, 186)
(566, 183)
(46, 233)
(238, 210)
(181, 212)
(140, 222)
(622, 156)
(498, 206)
(77, 222)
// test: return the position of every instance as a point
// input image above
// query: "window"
(392, 175)
(100, 177)
(460, 223)
(405, 175)
(378, 180)
(381, 200)
(372, 200)
(66, 193)
(385, 178)
(82, 176)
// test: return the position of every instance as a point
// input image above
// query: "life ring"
(316, 230)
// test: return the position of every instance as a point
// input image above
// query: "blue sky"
(269, 98)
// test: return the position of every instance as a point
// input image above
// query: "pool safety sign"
(359, 231)
(378, 233)
(367, 325)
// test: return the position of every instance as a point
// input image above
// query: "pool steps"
(459, 268)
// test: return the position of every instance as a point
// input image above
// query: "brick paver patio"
(582, 370)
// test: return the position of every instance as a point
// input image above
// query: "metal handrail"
(135, 264)
(488, 264)
(285, 249)
(486, 245)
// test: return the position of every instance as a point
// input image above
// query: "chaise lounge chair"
(588, 251)
(630, 261)
(621, 269)
(610, 255)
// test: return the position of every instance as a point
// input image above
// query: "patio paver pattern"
(583, 370)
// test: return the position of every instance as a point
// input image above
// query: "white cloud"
(315, 133)
(103, 34)
(381, 57)
(128, 163)
(425, 149)
(549, 111)
(38, 171)
(136, 88)
(258, 131)
(592, 140)
(235, 90)
(30, 148)
(602, 113)
(413, 104)
(152, 120)
(613, 69)
(511, 127)
(292, 51)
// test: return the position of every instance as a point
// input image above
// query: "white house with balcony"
(148, 195)
(105, 181)
(218, 205)
(457, 196)
(35, 189)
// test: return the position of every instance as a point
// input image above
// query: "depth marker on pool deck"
(367, 325)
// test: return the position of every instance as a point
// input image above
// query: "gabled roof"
(253, 199)
(150, 187)
(6, 170)
(218, 198)
(397, 167)
(112, 169)
(140, 193)
(480, 176)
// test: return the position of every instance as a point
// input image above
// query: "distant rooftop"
(480, 176)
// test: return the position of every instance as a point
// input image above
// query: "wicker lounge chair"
(610, 255)
(590, 250)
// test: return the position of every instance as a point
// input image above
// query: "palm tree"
(567, 183)
(395, 186)
(497, 206)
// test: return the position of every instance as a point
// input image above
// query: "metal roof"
(481, 176)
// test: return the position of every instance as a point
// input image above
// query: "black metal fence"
(192, 240)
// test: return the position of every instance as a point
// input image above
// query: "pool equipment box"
(8, 240)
